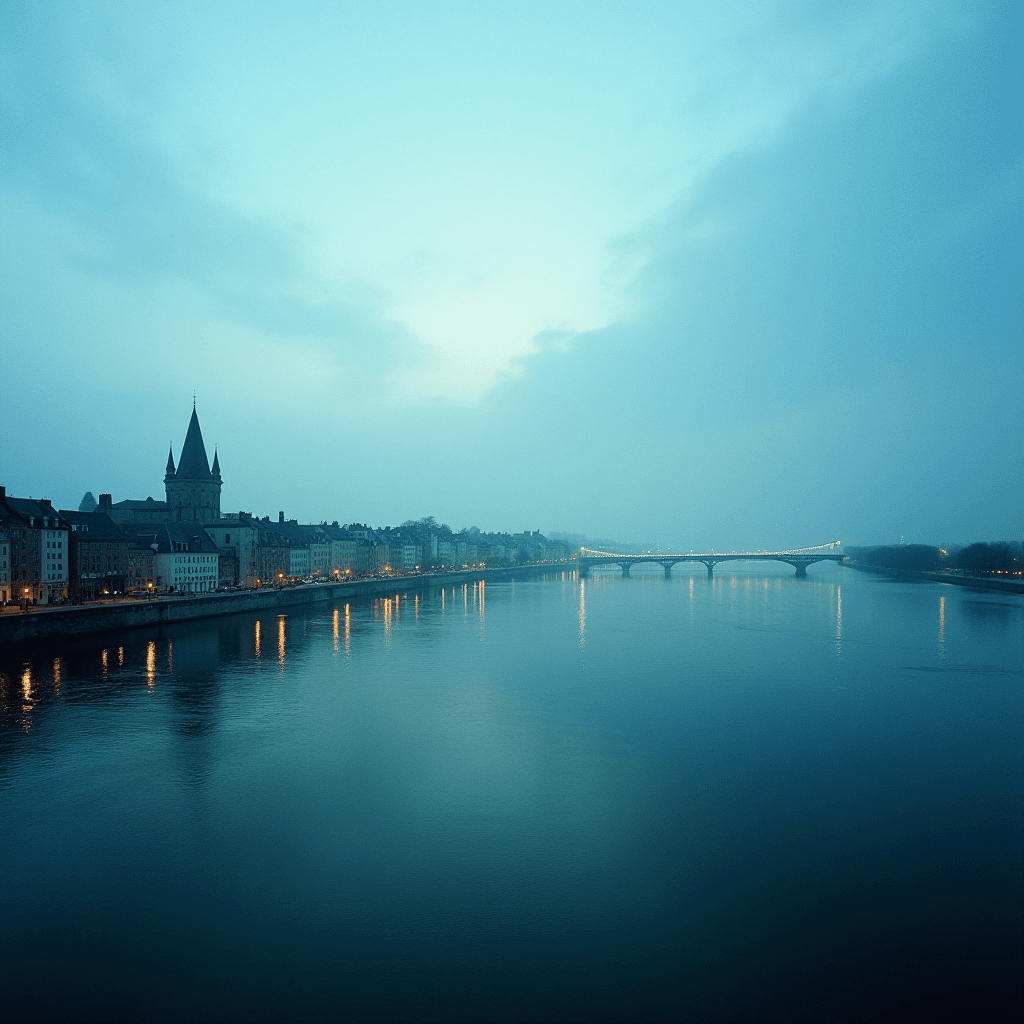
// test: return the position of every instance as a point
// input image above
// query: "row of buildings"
(185, 544)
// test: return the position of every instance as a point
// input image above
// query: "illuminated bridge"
(798, 557)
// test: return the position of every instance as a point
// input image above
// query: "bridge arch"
(799, 558)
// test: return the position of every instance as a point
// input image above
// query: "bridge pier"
(711, 568)
(625, 568)
(801, 567)
(583, 568)
(668, 568)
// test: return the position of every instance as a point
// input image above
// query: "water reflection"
(26, 695)
(839, 620)
(583, 615)
(450, 785)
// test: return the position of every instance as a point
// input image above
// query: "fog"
(743, 278)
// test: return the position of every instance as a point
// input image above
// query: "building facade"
(5, 558)
(38, 543)
(191, 563)
(98, 556)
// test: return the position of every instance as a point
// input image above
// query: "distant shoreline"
(974, 582)
(84, 620)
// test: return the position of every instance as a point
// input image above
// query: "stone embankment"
(977, 582)
(79, 620)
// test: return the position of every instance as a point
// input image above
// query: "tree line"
(977, 559)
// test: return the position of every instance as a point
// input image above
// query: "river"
(749, 798)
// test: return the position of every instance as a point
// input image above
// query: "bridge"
(800, 558)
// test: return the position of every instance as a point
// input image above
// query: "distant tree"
(901, 557)
(985, 558)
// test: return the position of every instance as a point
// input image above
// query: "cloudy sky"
(708, 274)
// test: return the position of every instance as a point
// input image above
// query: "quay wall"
(80, 620)
(976, 582)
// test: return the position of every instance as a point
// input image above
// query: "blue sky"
(704, 274)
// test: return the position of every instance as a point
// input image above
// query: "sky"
(704, 275)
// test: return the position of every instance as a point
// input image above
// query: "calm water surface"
(753, 798)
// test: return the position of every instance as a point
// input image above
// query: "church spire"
(215, 471)
(170, 460)
(193, 464)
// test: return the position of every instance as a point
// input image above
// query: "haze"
(723, 276)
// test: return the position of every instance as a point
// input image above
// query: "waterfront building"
(274, 555)
(299, 547)
(190, 565)
(364, 556)
(381, 556)
(141, 567)
(319, 550)
(343, 548)
(237, 537)
(98, 555)
(38, 542)
(5, 557)
(185, 559)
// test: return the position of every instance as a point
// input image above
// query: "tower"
(193, 490)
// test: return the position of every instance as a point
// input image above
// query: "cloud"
(132, 222)
(800, 225)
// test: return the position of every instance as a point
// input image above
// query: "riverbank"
(975, 582)
(81, 620)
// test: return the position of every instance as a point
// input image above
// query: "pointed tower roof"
(216, 465)
(193, 464)
(170, 460)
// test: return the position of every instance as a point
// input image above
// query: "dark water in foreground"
(760, 798)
